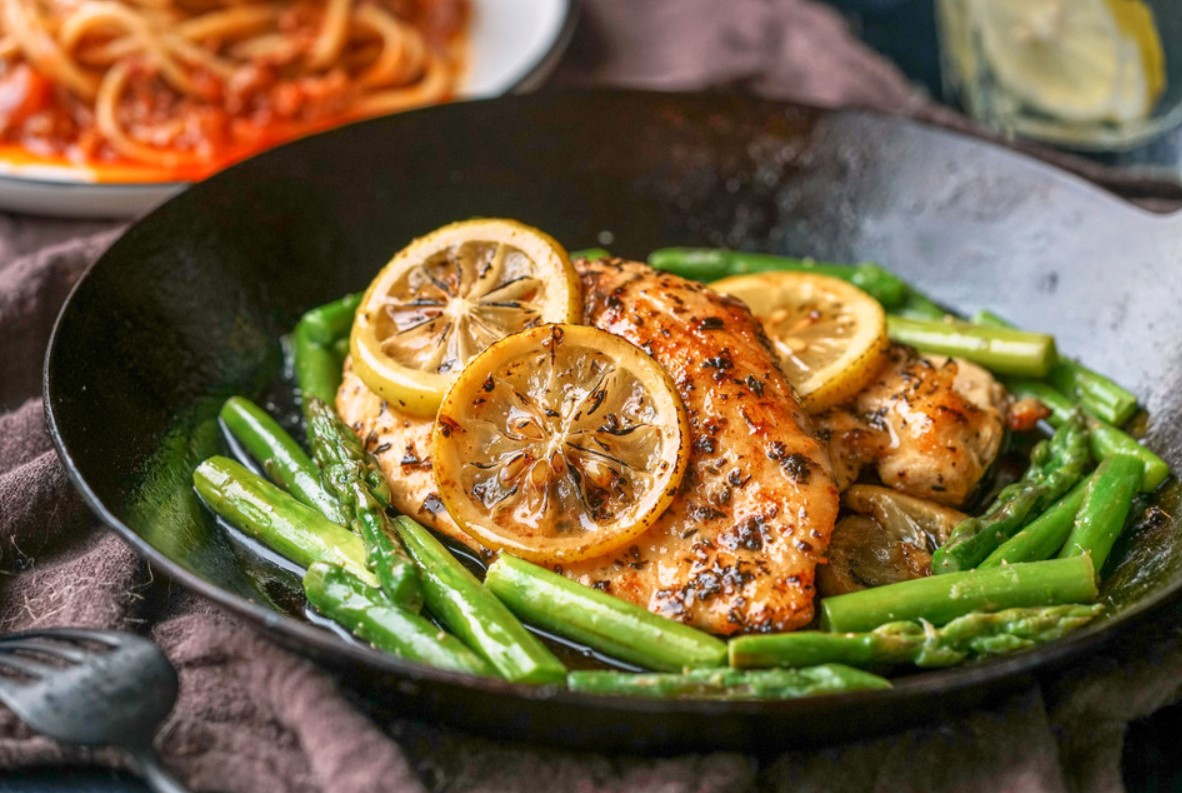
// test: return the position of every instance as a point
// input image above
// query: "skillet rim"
(1015, 669)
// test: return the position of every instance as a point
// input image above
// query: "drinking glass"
(979, 38)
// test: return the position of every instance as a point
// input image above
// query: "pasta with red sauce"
(180, 88)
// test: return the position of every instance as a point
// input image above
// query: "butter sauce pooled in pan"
(642, 435)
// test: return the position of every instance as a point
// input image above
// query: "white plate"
(513, 47)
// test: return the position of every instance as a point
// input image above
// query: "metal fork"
(92, 687)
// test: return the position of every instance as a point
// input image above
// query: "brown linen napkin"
(252, 717)
(780, 49)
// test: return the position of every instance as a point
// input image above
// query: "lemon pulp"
(449, 295)
(830, 336)
(559, 443)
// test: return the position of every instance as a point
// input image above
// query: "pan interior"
(191, 305)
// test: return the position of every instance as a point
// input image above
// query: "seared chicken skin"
(929, 426)
(738, 548)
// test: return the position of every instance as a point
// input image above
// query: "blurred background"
(902, 30)
(915, 34)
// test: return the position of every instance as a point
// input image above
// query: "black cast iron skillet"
(189, 306)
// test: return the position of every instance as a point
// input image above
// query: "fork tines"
(29, 653)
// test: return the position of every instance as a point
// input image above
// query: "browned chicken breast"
(930, 427)
(737, 550)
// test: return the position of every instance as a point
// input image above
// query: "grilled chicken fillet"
(738, 548)
(929, 426)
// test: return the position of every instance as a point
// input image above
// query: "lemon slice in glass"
(560, 443)
(830, 335)
(1144, 60)
(447, 296)
(1080, 61)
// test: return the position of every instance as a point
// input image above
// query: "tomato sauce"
(47, 132)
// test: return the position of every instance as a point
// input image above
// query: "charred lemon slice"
(447, 296)
(560, 443)
(831, 336)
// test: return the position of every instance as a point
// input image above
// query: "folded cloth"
(252, 717)
(781, 49)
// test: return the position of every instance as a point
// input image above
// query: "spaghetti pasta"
(180, 88)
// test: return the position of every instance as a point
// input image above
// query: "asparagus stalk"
(474, 614)
(1105, 507)
(711, 264)
(1106, 440)
(275, 518)
(998, 349)
(620, 629)
(370, 615)
(318, 354)
(974, 635)
(1101, 396)
(345, 465)
(1045, 535)
(591, 254)
(942, 598)
(317, 368)
(339, 445)
(340, 350)
(1055, 467)
(729, 683)
(281, 457)
(920, 306)
(326, 324)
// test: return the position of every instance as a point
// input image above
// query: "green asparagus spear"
(344, 464)
(605, 623)
(474, 614)
(1106, 505)
(711, 264)
(974, 635)
(370, 615)
(277, 519)
(340, 445)
(939, 599)
(1099, 395)
(316, 343)
(1106, 440)
(385, 556)
(728, 683)
(281, 457)
(591, 254)
(340, 350)
(999, 349)
(1055, 467)
(1045, 535)
(317, 370)
(325, 324)
(919, 306)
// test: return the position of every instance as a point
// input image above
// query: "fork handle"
(155, 774)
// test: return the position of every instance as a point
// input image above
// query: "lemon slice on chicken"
(447, 296)
(560, 443)
(831, 336)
